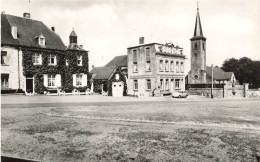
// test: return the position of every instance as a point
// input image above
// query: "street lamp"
(212, 81)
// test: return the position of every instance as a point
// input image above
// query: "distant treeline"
(245, 70)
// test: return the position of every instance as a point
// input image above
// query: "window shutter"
(84, 80)
(40, 60)
(58, 80)
(55, 60)
(45, 80)
(74, 79)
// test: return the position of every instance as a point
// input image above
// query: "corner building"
(155, 66)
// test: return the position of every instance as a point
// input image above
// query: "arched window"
(195, 45)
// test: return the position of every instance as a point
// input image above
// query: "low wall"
(253, 93)
(217, 92)
(236, 91)
(221, 90)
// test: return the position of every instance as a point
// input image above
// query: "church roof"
(118, 61)
(28, 30)
(218, 73)
(198, 29)
(73, 34)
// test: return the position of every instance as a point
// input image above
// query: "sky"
(107, 27)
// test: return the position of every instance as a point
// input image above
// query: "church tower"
(197, 73)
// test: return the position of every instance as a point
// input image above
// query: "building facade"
(155, 66)
(34, 58)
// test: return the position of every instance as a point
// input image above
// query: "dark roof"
(118, 61)
(198, 34)
(74, 46)
(198, 28)
(73, 34)
(28, 30)
(102, 72)
(218, 73)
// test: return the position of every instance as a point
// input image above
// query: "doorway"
(29, 85)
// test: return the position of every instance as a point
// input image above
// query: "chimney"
(53, 28)
(141, 40)
(27, 15)
(14, 31)
(81, 46)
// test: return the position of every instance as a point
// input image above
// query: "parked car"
(179, 94)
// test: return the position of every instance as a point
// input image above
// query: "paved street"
(94, 128)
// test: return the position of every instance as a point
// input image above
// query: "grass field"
(141, 131)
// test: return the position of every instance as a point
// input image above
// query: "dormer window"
(41, 40)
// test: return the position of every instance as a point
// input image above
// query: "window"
(172, 66)
(5, 81)
(51, 80)
(67, 62)
(166, 65)
(42, 41)
(135, 67)
(161, 84)
(148, 66)
(147, 54)
(36, 59)
(167, 84)
(203, 46)
(196, 77)
(177, 83)
(182, 67)
(161, 65)
(134, 56)
(79, 80)
(135, 85)
(195, 45)
(79, 60)
(177, 67)
(3, 58)
(148, 84)
(52, 59)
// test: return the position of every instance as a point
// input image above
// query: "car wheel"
(179, 96)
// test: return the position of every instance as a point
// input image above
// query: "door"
(29, 85)
(117, 89)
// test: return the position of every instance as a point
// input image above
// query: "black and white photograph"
(130, 80)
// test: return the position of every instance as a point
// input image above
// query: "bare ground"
(143, 131)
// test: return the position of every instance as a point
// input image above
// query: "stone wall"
(217, 92)
(253, 93)
(236, 91)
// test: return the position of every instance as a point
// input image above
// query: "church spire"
(198, 28)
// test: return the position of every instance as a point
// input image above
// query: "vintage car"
(179, 94)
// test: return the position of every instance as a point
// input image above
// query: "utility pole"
(212, 81)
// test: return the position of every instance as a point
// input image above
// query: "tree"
(245, 70)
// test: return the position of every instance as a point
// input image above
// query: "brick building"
(155, 66)
(34, 58)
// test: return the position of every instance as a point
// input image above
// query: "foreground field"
(141, 131)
